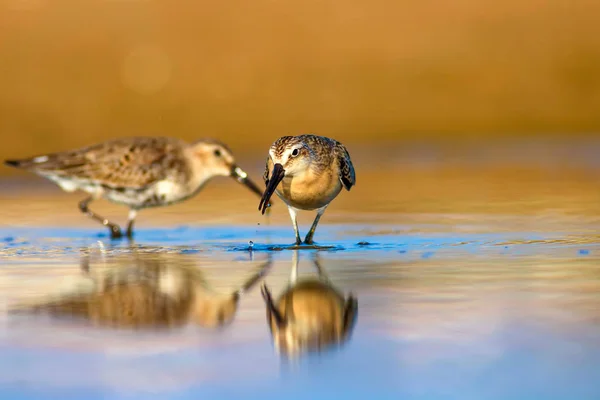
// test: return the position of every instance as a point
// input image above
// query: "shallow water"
(474, 280)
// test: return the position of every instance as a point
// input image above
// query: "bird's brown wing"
(132, 163)
(347, 175)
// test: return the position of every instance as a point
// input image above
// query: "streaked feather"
(131, 163)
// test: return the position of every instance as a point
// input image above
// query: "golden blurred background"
(73, 72)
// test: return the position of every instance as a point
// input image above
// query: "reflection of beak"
(236, 296)
(254, 279)
(242, 177)
(276, 177)
(271, 306)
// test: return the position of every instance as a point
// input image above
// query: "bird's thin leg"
(311, 232)
(115, 231)
(294, 272)
(293, 216)
(130, 221)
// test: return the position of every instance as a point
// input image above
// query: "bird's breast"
(309, 191)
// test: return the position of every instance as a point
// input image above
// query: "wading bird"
(307, 172)
(138, 172)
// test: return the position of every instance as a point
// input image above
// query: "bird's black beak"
(242, 177)
(276, 176)
(271, 309)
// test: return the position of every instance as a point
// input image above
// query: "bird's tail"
(38, 162)
(13, 163)
(26, 163)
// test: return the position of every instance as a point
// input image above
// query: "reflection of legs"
(84, 260)
(132, 214)
(293, 216)
(84, 266)
(311, 232)
(294, 271)
(321, 271)
(115, 231)
(84, 263)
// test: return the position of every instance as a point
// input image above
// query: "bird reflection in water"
(310, 315)
(147, 291)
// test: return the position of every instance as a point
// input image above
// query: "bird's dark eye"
(218, 153)
(295, 152)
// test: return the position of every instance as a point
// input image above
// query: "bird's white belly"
(129, 197)
(161, 193)
(71, 185)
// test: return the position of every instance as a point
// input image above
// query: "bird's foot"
(115, 232)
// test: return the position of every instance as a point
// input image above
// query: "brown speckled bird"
(307, 172)
(138, 172)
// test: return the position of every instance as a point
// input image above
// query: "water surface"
(474, 279)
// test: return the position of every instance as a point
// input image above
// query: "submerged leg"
(115, 231)
(293, 216)
(131, 220)
(311, 232)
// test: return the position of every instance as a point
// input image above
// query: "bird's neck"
(198, 180)
(200, 174)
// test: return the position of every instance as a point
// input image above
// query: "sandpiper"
(311, 315)
(138, 172)
(143, 293)
(307, 172)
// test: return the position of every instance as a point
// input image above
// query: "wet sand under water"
(474, 279)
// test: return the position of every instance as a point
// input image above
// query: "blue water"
(245, 239)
